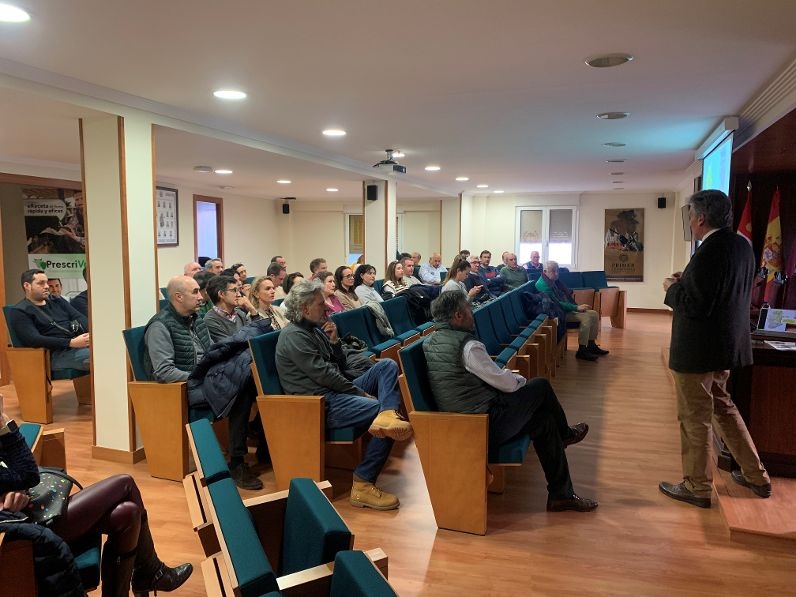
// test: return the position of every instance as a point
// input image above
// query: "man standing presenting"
(44, 321)
(465, 379)
(310, 361)
(710, 336)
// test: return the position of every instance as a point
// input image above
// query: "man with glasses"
(231, 310)
(43, 320)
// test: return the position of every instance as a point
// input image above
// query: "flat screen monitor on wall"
(716, 167)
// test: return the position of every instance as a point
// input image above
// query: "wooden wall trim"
(75, 185)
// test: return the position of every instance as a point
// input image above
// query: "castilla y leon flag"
(772, 248)
(745, 225)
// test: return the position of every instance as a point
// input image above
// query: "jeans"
(71, 358)
(534, 409)
(348, 410)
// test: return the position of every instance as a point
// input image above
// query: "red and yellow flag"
(745, 225)
(772, 248)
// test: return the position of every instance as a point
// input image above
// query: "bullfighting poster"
(624, 245)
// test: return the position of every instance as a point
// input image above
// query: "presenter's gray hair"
(446, 305)
(714, 205)
(300, 295)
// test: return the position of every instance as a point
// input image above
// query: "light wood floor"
(637, 543)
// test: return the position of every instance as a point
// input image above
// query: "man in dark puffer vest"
(464, 379)
(176, 339)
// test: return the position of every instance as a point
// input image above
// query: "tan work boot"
(367, 495)
(390, 423)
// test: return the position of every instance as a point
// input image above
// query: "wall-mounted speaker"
(371, 192)
(661, 202)
(286, 208)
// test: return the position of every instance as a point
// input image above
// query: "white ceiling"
(495, 90)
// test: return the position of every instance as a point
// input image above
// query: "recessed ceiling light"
(612, 115)
(619, 188)
(332, 190)
(283, 181)
(203, 169)
(614, 144)
(462, 179)
(398, 154)
(617, 173)
(498, 192)
(12, 14)
(222, 171)
(618, 182)
(608, 60)
(433, 168)
(614, 161)
(482, 186)
(224, 187)
(229, 94)
(334, 133)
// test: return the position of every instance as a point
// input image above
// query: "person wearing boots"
(588, 318)
(111, 507)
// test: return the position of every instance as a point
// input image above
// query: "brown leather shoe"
(576, 503)
(576, 434)
(763, 491)
(681, 493)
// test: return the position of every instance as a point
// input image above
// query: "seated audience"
(310, 361)
(191, 269)
(465, 379)
(231, 310)
(214, 266)
(111, 507)
(416, 258)
(261, 296)
(465, 253)
(54, 284)
(344, 278)
(277, 273)
(41, 321)
(534, 265)
(431, 272)
(317, 265)
(203, 278)
(474, 279)
(504, 260)
(176, 339)
(364, 277)
(279, 260)
(409, 278)
(80, 300)
(394, 280)
(240, 273)
(454, 281)
(490, 273)
(589, 320)
(513, 275)
(290, 280)
(328, 287)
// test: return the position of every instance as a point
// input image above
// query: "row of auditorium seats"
(290, 542)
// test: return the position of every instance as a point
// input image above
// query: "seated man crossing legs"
(310, 361)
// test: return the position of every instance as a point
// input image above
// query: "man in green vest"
(176, 339)
(465, 380)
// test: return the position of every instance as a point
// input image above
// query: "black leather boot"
(150, 574)
(116, 571)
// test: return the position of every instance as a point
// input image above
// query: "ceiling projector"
(390, 166)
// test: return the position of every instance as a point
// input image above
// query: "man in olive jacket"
(710, 336)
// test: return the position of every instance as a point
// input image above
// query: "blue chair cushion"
(313, 531)
(211, 459)
(595, 279)
(87, 555)
(136, 349)
(252, 568)
(415, 369)
(29, 432)
(356, 576)
(511, 452)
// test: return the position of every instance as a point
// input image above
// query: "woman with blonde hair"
(261, 296)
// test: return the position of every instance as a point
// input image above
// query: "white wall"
(421, 227)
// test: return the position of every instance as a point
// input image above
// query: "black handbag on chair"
(49, 499)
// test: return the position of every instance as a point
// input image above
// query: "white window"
(550, 230)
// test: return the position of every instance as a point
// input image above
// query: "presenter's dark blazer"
(710, 328)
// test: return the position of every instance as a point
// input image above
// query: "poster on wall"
(166, 217)
(55, 231)
(624, 245)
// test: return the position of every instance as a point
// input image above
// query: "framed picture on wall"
(166, 221)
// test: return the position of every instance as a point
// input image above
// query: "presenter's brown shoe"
(682, 493)
(763, 491)
(576, 503)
